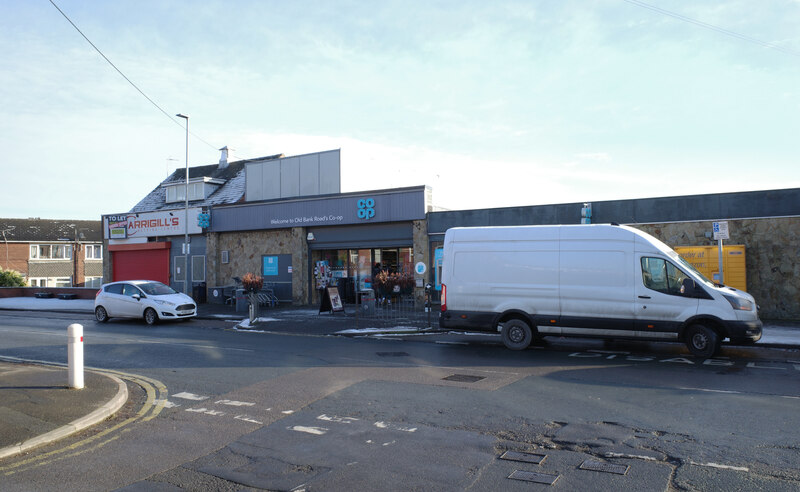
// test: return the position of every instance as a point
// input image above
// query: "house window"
(51, 252)
(225, 256)
(50, 282)
(94, 252)
(177, 193)
(93, 282)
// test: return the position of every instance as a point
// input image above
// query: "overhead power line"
(714, 28)
(140, 91)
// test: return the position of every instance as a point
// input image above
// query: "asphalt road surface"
(213, 408)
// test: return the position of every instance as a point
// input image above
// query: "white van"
(606, 281)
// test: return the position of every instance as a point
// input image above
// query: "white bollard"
(75, 355)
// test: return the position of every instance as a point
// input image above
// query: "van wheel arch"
(702, 339)
(517, 332)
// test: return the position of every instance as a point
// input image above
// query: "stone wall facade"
(772, 248)
(420, 240)
(245, 250)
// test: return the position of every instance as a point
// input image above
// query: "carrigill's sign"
(150, 224)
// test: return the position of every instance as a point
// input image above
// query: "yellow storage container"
(706, 260)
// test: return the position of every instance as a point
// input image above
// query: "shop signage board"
(331, 301)
(151, 224)
(721, 230)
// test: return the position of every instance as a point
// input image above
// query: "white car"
(146, 299)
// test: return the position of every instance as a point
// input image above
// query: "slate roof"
(232, 191)
(49, 230)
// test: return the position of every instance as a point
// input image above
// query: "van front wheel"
(517, 334)
(702, 341)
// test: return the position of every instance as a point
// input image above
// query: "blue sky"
(492, 104)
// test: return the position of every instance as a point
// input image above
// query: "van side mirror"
(688, 287)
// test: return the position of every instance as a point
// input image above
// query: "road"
(213, 408)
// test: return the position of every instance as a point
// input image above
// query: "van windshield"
(688, 266)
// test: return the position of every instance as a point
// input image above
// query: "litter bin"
(366, 301)
(199, 292)
(241, 301)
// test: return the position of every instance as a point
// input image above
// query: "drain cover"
(536, 459)
(392, 354)
(604, 467)
(527, 476)
(463, 378)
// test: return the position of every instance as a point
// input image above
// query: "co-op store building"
(286, 219)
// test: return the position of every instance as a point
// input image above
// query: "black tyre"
(702, 341)
(517, 334)
(150, 316)
(100, 314)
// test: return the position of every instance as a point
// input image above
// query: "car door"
(131, 306)
(661, 305)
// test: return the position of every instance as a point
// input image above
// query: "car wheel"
(150, 316)
(100, 314)
(702, 341)
(516, 334)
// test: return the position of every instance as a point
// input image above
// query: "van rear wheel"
(702, 340)
(517, 334)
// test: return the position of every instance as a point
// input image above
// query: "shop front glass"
(358, 270)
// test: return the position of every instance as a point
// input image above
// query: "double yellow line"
(156, 398)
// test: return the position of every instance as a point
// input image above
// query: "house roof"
(49, 230)
(231, 191)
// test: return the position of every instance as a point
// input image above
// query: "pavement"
(37, 407)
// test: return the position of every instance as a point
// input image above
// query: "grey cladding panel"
(309, 171)
(329, 173)
(290, 177)
(253, 188)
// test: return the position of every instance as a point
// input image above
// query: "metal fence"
(398, 311)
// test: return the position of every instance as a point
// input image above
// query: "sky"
(492, 104)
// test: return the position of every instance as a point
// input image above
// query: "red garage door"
(148, 261)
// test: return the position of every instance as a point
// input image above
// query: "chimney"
(223, 159)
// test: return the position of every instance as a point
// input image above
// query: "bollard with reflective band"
(75, 355)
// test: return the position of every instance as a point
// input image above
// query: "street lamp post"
(186, 213)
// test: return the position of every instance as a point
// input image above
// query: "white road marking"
(340, 420)
(247, 418)
(190, 396)
(384, 425)
(633, 456)
(309, 430)
(206, 411)
(234, 403)
(287, 412)
(166, 403)
(722, 467)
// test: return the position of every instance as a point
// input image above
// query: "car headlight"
(164, 303)
(739, 304)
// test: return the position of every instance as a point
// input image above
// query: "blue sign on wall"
(366, 208)
(270, 266)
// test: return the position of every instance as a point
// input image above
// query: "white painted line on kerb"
(190, 396)
(711, 390)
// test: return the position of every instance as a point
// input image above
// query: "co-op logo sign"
(366, 208)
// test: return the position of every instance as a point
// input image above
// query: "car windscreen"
(156, 289)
